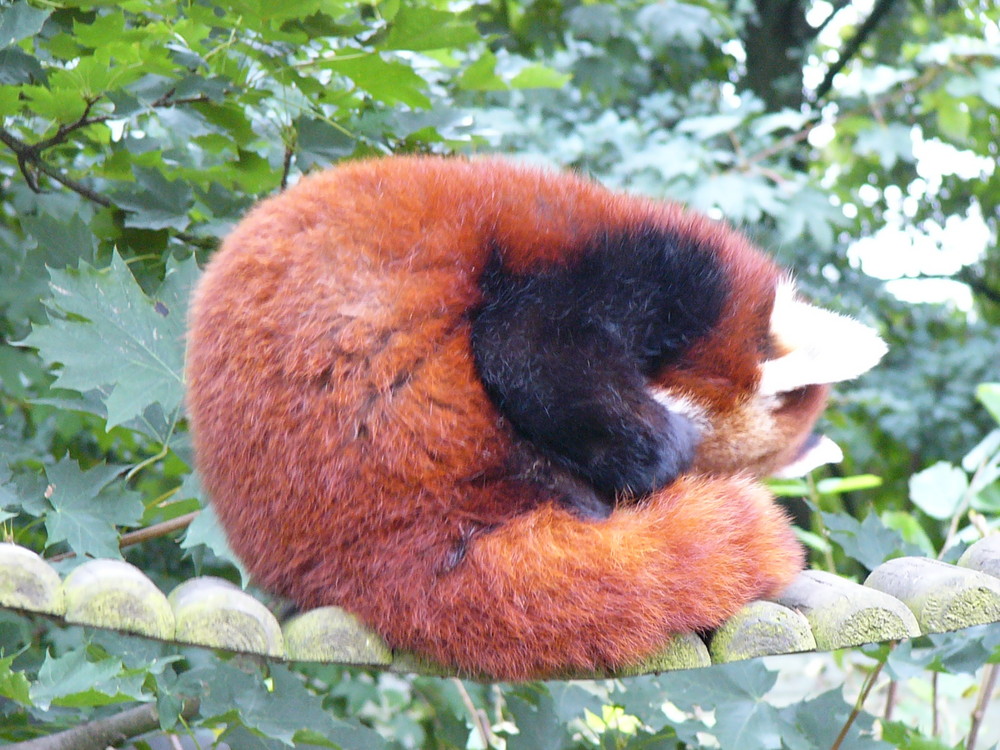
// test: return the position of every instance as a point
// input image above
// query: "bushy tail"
(548, 593)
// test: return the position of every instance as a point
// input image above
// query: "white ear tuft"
(822, 346)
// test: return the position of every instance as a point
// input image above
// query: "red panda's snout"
(769, 429)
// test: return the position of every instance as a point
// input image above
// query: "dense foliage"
(858, 140)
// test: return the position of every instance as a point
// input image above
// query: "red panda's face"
(768, 429)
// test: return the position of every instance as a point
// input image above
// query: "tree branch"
(74, 185)
(979, 712)
(978, 285)
(881, 8)
(64, 130)
(860, 702)
(837, 7)
(142, 535)
(29, 156)
(113, 730)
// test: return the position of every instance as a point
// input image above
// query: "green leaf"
(910, 529)
(320, 144)
(388, 81)
(737, 692)
(481, 75)
(8, 493)
(115, 338)
(989, 396)
(72, 680)
(538, 76)
(939, 489)
(19, 21)
(155, 202)
(539, 727)
(817, 723)
(985, 452)
(788, 487)
(10, 100)
(87, 508)
(62, 104)
(171, 299)
(14, 685)
(811, 540)
(279, 711)
(902, 735)
(206, 530)
(870, 542)
(840, 485)
(420, 28)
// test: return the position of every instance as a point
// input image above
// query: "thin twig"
(934, 705)
(478, 719)
(76, 187)
(964, 503)
(860, 702)
(64, 130)
(881, 8)
(143, 535)
(835, 9)
(979, 712)
(286, 167)
(890, 700)
(29, 156)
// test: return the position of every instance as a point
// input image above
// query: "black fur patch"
(566, 354)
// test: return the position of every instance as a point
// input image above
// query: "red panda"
(510, 419)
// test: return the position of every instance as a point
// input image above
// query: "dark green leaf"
(19, 21)
(320, 144)
(154, 202)
(115, 338)
(868, 542)
(87, 507)
(72, 680)
(744, 717)
(539, 726)
(206, 530)
(818, 722)
(16, 67)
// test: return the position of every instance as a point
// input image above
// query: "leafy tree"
(858, 141)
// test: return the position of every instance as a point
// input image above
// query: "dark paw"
(644, 457)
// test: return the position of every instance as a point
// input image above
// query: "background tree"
(858, 140)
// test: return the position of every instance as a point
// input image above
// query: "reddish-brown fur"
(355, 459)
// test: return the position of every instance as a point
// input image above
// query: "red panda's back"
(328, 350)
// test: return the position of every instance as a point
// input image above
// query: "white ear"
(822, 346)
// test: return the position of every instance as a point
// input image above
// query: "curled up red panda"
(510, 419)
